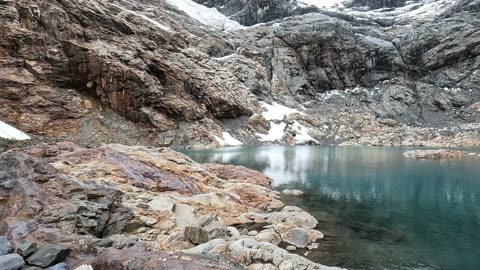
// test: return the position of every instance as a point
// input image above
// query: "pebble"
(252, 233)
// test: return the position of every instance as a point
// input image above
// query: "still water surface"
(378, 209)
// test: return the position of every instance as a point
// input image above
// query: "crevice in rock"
(410, 75)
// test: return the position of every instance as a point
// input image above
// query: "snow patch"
(321, 3)
(452, 90)
(425, 10)
(377, 41)
(9, 132)
(226, 57)
(275, 133)
(302, 135)
(155, 23)
(329, 94)
(277, 111)
(208, 16)
(227, 140)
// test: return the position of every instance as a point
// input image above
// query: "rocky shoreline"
(118, 207)
(440, 154)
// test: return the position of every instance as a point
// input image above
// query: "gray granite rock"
(48, 255)
(11, 262)
(26, 248)
(59, 266)
(5, 246)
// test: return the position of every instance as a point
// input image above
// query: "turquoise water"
(378, 209)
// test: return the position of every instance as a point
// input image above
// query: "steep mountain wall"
(181, 74)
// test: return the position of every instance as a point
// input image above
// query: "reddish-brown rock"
(143, 260)
(238, 174)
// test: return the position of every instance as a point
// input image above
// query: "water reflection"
(370, 197)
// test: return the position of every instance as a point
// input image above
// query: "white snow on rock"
(330, 94)
(9, 132)
(276, 111)
(376, 41)
(228, 140)
(233, 55)
(153, 22)
(321, 3)
(208, 16)
(275, 133)
(302, 136)
(423, 11)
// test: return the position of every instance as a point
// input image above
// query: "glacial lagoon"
(377, 209)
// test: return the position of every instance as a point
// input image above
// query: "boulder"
(162, 203)
(5, 246)
(59, 266)
(26, 248)
(185, 215)
(196, 235)
(205, 247)
(297, 237)
(282, 259)
(295, 226)
(11, 262)
(232, 231)
(48, 255)
(269, 236)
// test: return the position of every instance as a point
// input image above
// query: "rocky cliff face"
(180, 74)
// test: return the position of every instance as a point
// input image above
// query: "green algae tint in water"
(378, 209)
